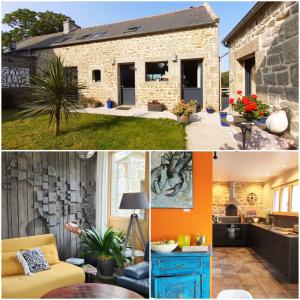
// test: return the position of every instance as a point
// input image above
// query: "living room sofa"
(16, 285)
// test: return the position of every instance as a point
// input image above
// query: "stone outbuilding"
(263, 56)
(166, 57)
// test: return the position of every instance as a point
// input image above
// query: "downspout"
(220, 81)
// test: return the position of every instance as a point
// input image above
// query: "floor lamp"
(134, 201)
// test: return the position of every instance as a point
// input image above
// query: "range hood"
(232, 194)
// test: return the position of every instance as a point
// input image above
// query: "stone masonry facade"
(272, 36)
(198, 43)
(243, 189)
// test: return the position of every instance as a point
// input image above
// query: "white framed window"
(127, 175)
(286, 199)
(295, 198)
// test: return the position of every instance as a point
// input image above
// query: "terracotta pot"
(183, 119)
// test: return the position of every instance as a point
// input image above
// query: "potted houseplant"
(155, 105)
(249, 107)
(183, 111)
(210, 108)
(107, 248)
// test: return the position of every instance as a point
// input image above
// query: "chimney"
(12, 47)
(232, 194)
(69, 26)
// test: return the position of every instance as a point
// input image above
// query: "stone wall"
(15, 77)
(200, 43)
(272, 35)
(243, 189)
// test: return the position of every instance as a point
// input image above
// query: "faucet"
(272, 223)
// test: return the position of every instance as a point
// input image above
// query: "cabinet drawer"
(179, 266)
(185, 287)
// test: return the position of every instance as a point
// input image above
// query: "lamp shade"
(134, 201)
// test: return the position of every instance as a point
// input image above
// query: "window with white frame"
(286, 198)
(127, 175)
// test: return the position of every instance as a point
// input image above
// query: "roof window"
(99, 34)
(132, 29)
(82, 37)
(62, 40)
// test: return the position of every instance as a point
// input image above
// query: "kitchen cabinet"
(180, 275)
(279, 250)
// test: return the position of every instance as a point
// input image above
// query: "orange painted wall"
(169, 223)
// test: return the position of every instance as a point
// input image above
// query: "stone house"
(166, 57)
(263, 56)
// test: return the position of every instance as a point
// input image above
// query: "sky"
(87, 14)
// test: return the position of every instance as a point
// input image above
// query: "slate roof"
(183, 19)
(252, 12)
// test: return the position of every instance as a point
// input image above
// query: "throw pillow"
(138, 271)
(33, 261)
(11, 264)
(262, 140)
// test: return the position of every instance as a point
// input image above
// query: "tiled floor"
(242, 268)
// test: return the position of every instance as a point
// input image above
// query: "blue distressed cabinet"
(180, 275)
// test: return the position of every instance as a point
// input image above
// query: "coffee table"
(92, 290)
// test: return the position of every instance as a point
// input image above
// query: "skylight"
(132, 29)
(83, 36)
(99, 34)
(62, 40)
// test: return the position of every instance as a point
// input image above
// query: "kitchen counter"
(279, 230)
(287, 232)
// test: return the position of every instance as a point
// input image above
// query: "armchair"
(136, 277)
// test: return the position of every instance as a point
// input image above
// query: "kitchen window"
(286, 198)
(156, 71)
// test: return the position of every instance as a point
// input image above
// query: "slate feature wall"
(41, 191)
(15, 77)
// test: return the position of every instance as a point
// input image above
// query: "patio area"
(203, 133)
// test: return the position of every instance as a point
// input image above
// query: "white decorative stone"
(277, 122)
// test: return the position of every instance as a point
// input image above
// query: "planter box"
(155, 107)
(183, 119)
(210, 110)
(223, 116)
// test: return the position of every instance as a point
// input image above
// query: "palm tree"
(54, 93)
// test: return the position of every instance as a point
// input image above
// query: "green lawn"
(91, 131)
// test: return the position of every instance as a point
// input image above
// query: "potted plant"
(249, 107)
(210, 108)
(90, 102)
(107, 248)
(109, 103)
(193, 104)
(183, 111)
(155, 105)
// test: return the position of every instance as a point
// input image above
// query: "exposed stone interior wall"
(243, 189)
(201, 43)
(15, 77)
(272, 34)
